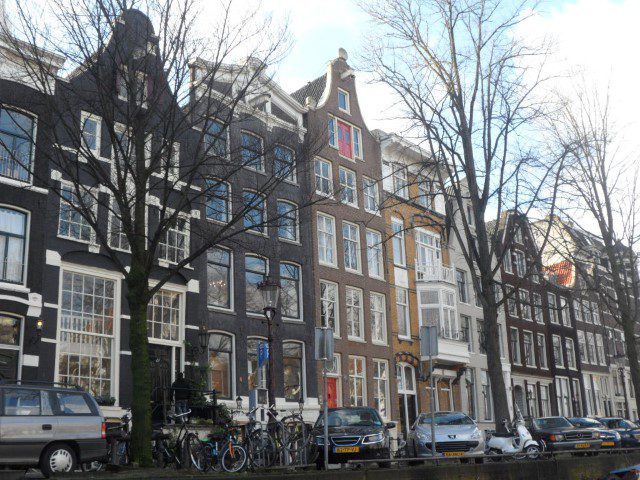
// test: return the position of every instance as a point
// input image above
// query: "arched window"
(293, 370)
(220, 364)
(407, 397)
(13, 232)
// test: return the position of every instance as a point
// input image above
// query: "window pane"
(73, 404)
(255, 271)
(220, 350)
(219, 277)
(292, 366)
(290, 290)
(22, 402)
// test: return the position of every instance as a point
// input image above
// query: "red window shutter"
(344, 140)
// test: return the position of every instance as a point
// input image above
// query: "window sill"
(255, 315)
(330, 265)
(259, 234)
(355, 272)
(325, 195)
(14, 287)
(376, 213)
(356, 339)
(380, 344)
(296, 321)
(405, 338)
(212, 220)
(376, 277)
(89, 243)
(167, 264)
(251, 169)
(230, 311)
(28, 186)
(292, 242)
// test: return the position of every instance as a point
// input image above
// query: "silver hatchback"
(456, 435)
(53, 428)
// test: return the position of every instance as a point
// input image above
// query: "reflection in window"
(292, 365)
(219, 277)
(13, 230)
(163, 315)
(220, 351)
(255, 270)
(9, 330)
(290, 290)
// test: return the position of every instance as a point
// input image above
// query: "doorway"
(407, 395)
(160, 366)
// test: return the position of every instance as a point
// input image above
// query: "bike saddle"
(160, 436)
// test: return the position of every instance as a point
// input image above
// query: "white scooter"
(517, 441)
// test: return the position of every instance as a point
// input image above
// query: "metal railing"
(12, 166)
(434, 273)
(457, 335)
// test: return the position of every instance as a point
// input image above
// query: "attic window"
(343, 101)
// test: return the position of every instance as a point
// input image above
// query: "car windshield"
(586, 423)
(353, 417)
(551, 422)
(445, 419)
(618, 423)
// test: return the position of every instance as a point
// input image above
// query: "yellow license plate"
(453, 454)
(346, 449)
(583, 445)
(608, 444)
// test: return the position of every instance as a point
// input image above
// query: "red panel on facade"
(344, 140)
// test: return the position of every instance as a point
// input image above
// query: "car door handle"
(46, 426)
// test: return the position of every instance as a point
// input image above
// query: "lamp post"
(270, 291)
(203, 337)
(620, 363)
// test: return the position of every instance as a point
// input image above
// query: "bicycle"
(118, 446)
(221, 451)
(181, 451)
(298, 439)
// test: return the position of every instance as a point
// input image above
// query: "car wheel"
(58, 458)
(533, 452)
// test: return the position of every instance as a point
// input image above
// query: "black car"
(355, 433)
(558, 434)
(629, 431)
(610, 438)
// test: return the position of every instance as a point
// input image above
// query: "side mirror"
(391, 425)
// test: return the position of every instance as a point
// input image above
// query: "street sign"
(324, 343)
(428, 341)
(263, 353)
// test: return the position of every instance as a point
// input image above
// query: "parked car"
(456, 435)
(629, 431)
(558, 434)
(52, 428)
(610, 438)
(355, 433)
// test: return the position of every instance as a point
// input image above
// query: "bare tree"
(467, 86)
(154, 153)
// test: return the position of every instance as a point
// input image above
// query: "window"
(219, 278)
(465, 330)
(287, 221)
(220, 364)
(345, 145)
(470, 216)
(348, 192)
(591, 348)
(251, 151)
(215, 139)
(482, 345)
(486, 395)
(525, 304)
(343, 101)
(517, 235)
(507, 261)
(9, 330)
(378, 307)
(424, 193)
(370, 192)
(582, 347)
(532, 400)
(16, 145)
(357, 378)
(355, 315)
(515, 346)
(461, 279)
(586, 312)
(564, 311)
(72, 403)
(600, 349)
(170, 162)
(13, 237)
(255, 215)
(283, 163)
(542, 350)
(90, 129)
(553, 309)
(349, 138)
(381, 387)
(163, 316)
(117, 236)
(331, 126)
(257, 378)
(324, 180)
(527, 343)
(537, 308)
(544, 401)
(400, 187)
(512, 305)
(86, 324)
(557, 351)
(470, 381)
(563, 395)
(595, 313)
(175, 246)
(571, 353)
(292, 364)
(351, 244)
(374, 254)
(521, 263)
(326, 239)
(402, 309)
(22, 402)
(449, 319)
(217, 201)
(577, 308)
(427, 254)
(290, 292)
(71, 223)
(329, 306)
(397, 228)
(255, 270)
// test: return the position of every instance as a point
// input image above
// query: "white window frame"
(525, 304)
(84, 116)
(600, 351)
(399, 177)
(332, 221)
(360, 318)
(541, 346)
(369, 183)
(363, 361)
(518, 359)
(529, 333)
(25, 257)
(571, 353)
(400, 238)
(377, 379)
(355, 131)
(93, 194)
(347, 101)
(336, 306)
(559, 361)
(352, 227)
(405, 306)
(538, 310)
(348, 173)
(328, 178)
(520, 262)
(375, 248)
(553, 308)
(383, 317)
(187, 240)
(261, 158)
(507, 261)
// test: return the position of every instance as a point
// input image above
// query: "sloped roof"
(314, 89)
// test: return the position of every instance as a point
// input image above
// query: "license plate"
(453, 454)
(583, 445)
(346, 449)
(608, 444)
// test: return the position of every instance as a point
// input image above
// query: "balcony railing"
(14, 165)
(434, 273)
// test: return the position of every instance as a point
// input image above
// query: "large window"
(255, 213)
(378, 318)
(251, 151)
(16, 146)
(400, 185)
(399, 253)
(582, 347)
(571, 353)
(255, 270)
(521, 263)
(486, 395)
(542, 350)
(90, 128)
(527, 343)
(175, 246)
(290, 291)
(537, 308)
(346, 138)
(9, 331)
(163, 316)
(370, 192)
(71, 223)
(525, 304)
(591, 348)
(351, 243)
(283, 163)
(220, 364)
(402, 312)
(355, 315)
(374, 254)
(219, 278)
(215, 139)
(117, 237)
(544, 401)
(348, 189)
(600, 349)
(514, 338)
(557, 351)
(324, 180)
(217, 203)
(381, 387)
(326, 239)
(463, 289)
(13, 233)
(553, 310)
(87, 317)
(287, 221)
(257, 378)
(293, 372)
(564, 312)
(329, 306)
(357, 379)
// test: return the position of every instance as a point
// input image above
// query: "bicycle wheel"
(261, 449)
(234, 458)
(195, 450)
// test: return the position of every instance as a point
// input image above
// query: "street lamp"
(270, 290)
(203, 337)
(621, 361)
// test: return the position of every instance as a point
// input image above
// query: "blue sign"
(263, 353)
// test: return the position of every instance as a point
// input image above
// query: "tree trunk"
(140, 370)
(632, 356)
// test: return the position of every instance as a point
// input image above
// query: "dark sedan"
(629, 431)
(558, 435)
(610, 438)
(355, 433)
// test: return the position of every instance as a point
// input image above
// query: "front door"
(160, 364)
(332, 392)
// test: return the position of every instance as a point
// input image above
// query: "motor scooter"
(517, 441)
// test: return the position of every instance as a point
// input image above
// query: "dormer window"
(343, 101)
